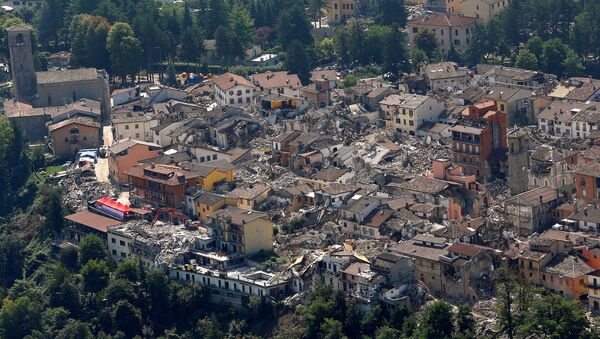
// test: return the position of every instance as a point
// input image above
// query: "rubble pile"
(78, 190)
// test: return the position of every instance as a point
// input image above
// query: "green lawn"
(53, 169)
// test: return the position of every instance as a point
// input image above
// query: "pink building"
(126, 153)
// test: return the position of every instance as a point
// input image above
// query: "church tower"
(21, 63)
(518, 161)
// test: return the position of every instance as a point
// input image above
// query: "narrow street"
(102, 164)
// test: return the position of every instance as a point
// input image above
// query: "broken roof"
(424, 185)
(563, 111)
(239, 216)
(568, 265)
(248, 193)
(411, 101)
(331, 173)
(592, 169)
(443, 70)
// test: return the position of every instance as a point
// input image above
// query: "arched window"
(19, 39)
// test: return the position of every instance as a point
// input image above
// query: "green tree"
(124, 50)
(536, 46)
(572, 64)
(128, 270)
(292, 25)
(64, 292)
(95, 275)
(315, 10)
(11, 259)
(371, 321)
(209, 328)
(18, 318)
(75, 330)
(88, 41)
(91, 248)
(331, 329)
(127, 318)
(554, 52)
(49, 21)
(437, 321)
(554, 316)
(395, 56)
(229, 46)
(241, 24)
(119, 289)
(526, 60)
(386, 332)
(158, 292)
(419, 57)
(392, 12)
(53, 209)
(426, 41)
(506, 299)
(69, 257)
(465, 324)
(297, 61)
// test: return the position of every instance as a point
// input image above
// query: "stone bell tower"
(21, 63)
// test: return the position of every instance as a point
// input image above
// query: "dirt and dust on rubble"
(81, 186)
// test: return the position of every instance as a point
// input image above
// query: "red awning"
(113, 204)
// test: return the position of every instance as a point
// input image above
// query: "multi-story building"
(281, 83)
(587, 182)
(518, 161)
(479, 142)
(408, 112)
(233, 90)
(551, 167)
(586, 122)
(557, 118)
(136, 125)
(318, 93)
(449, 29)
(339, 11)
(480, 9)
(126, 153)
(445, 75)
(242, 232)
(529, 211)
(166, 185)
(72, 135)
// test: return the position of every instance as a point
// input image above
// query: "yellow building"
(211, 173)
(243, 232)
(207, 203)
(340, 10)
(248, 198)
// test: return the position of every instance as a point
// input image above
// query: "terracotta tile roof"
(563, 111)
(592, 169)
(535, 197)
(280, 79)
(568, 265)
(127, 143)
(326, 74)
(331, 173)
(230, 80)
(248, 193)
(93, 220)
(78, 121)
(444, 20)
(591, 153)
(168, 175)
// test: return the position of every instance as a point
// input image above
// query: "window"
(113, 240)
(214, 157)
(137, 126)
(123, 255)
(114, 252)
(415, 29)
(126, 126)
(122, 243)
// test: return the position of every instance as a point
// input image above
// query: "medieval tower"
(518, 161)
(21, 63)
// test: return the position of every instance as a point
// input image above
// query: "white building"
(134, 125)
(233, 90)
(407, 112)
(557, 119)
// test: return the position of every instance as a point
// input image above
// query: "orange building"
(71, 135)
(479, 142)
(587, 182)
(126, 153)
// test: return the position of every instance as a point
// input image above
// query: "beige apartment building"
(484, 10)
(407, 112)
(340, 10)
(449, 29)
